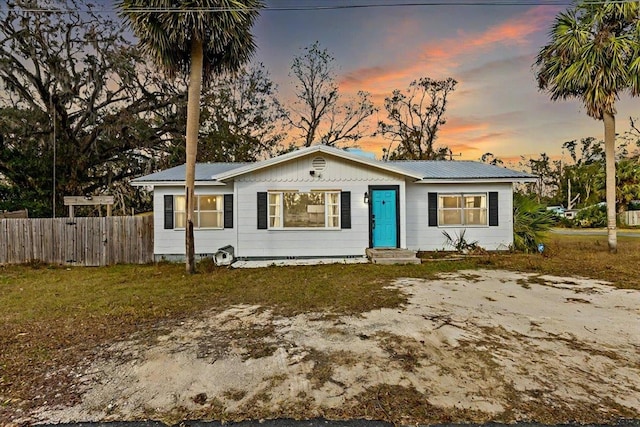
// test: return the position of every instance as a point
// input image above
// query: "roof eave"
(173, 183)
(306, 151)
(474, 180)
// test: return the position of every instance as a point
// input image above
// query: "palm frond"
(166, 35)
(593, 55)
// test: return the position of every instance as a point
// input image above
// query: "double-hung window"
(294, 209)
(462, 209)
(208, 211)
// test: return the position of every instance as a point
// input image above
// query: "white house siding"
(170, 244)
(422, 237)
(339, 174)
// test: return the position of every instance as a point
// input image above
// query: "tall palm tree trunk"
(193, 127)
(609, 151)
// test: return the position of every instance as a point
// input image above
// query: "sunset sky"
(489, 49)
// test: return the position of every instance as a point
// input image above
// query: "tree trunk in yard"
(193, 127)
(609, 151)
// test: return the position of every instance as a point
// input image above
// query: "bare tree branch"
(414, 117)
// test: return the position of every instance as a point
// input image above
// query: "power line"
(490, 3)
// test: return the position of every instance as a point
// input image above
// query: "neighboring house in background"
(326, 202)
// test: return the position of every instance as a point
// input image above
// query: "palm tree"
(594, 55)
(199, 39)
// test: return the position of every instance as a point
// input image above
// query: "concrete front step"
(392, 256)
(389, 253)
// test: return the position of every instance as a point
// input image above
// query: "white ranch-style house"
(326, 202)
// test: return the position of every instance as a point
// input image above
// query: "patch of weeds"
(255, 407)
(276, 380)
(216, 345)
(579, 300)
(36, 264)
(206, 265)
(200, 398)
(257, 340)
(335, 331)
(577, 345)
(524, 283)
(345, 358)
(459, 242)
(542, 406)
(322, 370)
(213, 409)
(406, 351)
(469, 277)
(485, 366)
(402, 406)
(262, 406)
(531, 280)
(235, 395)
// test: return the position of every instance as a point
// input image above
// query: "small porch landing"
(392, 256)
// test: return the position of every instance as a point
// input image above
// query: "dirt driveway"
(472, 346)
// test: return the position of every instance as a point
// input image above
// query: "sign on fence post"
(88, 200)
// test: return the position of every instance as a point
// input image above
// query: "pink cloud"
(442, 55)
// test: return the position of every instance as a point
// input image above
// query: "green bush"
(593, 216)
(564, 222)
(530, 221)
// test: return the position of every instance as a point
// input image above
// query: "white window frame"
(197, 211)
(278, 217)
(462, 209)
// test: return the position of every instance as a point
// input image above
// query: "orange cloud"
(458, 126)
(442, 55)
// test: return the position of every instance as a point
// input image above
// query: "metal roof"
(423, 170)
(457, 169)
(204, 172)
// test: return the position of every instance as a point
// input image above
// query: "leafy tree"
(490, 159)
(594, 216)
(319, 113)
(594, 55)
(589, 151)
(585, 173)
(414, 118)
(628, 185)
(242, 119)
(632, 137)
(72, 85)
(198, 38)
(546, 171)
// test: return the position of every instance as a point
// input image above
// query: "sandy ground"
(486, 345)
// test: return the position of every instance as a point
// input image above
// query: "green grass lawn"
(55, 318)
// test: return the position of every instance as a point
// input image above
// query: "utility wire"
(490, 3)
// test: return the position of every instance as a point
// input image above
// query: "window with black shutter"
(228, 211)
(432, 199)
(262, 211)
(345, 209)
(493, 209)
(168, 212)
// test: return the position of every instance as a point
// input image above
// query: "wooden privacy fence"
(77, 241)
(24, 213)
(631, 217)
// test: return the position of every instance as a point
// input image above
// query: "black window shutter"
(433, 209)
(345, 209)
(168, 212)
(493, 209)
(262, 211)
(228, 211)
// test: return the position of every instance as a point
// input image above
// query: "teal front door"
(384, 218)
